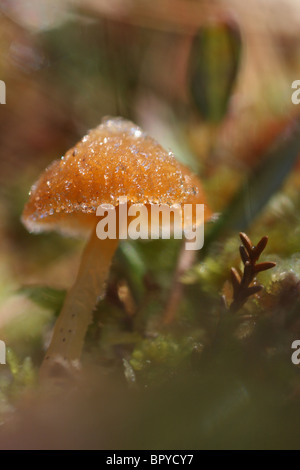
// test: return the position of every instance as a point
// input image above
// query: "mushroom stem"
(76, 315)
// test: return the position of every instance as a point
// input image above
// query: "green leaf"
(23, 373)
(214, 63)
(46, 297)
(132, 265)
(265, 180)
(12, 362)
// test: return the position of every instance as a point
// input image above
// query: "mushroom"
(113, 160)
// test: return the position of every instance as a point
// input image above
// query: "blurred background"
(166, 364)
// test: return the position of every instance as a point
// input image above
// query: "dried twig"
(246, 285)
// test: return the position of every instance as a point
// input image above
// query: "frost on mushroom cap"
(115, 159)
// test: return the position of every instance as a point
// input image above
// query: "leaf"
(266, 179)
(247, 243)
(264, 266)
(214, 63)
(22, 372)
(46, 297)
(253, 290)
(261, 246)
(12, 362)
(133, 267)
(243, 253)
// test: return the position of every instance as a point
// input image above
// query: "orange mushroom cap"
(115, 159)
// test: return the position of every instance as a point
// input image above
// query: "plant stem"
(185, 260)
